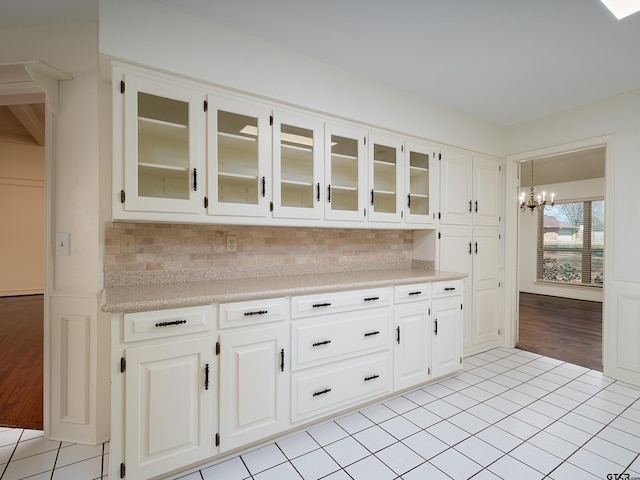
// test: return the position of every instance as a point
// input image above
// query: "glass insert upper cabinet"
(163, 146)
(385, 178)
(297, 166)
(421, 182)
(239, 141)
(345, 173)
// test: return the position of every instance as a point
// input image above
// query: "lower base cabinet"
(254, 385)
(168, 406)
(278, 364)
(447, 336)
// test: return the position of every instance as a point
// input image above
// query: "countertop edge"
(164, 296)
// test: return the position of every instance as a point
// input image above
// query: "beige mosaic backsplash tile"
(169, 253)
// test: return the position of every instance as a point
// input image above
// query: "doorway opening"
(22, 213)
(561, 257)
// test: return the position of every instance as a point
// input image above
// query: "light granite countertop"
(173, 295)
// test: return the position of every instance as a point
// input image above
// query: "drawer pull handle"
(325, 342)
(173, 322)
(418, 292)
(372, 377)
(206, 377)
(449, 289)
(325, 304)
(369, 334)
(259, 312)
(371, 299)
(321, 392)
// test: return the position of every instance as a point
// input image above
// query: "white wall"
(71, 49)
(619, 119)
(527, 241)
(22, 219)
(148, 34)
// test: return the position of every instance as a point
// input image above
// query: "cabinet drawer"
(167, 323)
(253, 312)
(447, 289)
(334, 337)
(309, 305)
(412, 293)
(323, 390)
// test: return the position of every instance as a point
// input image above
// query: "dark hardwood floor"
(562, 328)
(21, 361)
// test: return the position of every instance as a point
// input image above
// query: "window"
(571, 243)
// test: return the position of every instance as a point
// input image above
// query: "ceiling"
(582, 164)
(505, 61)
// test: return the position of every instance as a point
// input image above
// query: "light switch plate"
(62, 244)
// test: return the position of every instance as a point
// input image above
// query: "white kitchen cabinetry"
(412, 336)
(254, 371)
(469, 189)
(345, 173)
(340, 345)
(386, 168)
(159, 147)
(421, 183)
(297, 166)
(447, 310)
(164, 392)
(475, 251)
(239, 157)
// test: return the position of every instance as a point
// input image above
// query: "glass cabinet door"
(385, 178)
(345, 173)
(297, 166)
(238, 158)
(163, 146)
(420, 182)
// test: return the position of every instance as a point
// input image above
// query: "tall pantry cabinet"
(470, 240)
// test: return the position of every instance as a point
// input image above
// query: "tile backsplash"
(169, 253)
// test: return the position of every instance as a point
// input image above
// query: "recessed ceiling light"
(622, 8)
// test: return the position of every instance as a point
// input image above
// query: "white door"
(169, 391)
(447, 336)
(239, 158)
(254, 379)
(486, 191)
(297, 166)
(385, 178)
(486, 249)
(412, 345)
(456, 173)
(164, 147)
(456, 255)
(421, 183)
(345, 173)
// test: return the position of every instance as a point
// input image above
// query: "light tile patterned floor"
(509, 414)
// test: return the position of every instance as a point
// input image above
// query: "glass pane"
(344, 173)
(384, 178)
(562, 266)
(163, 147)
(563, 226)
(597, 224)
(597, 267)
(419, 183)
(238, 180)
(296, 158)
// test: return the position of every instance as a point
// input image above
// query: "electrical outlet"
(232, 244)
(127, 244)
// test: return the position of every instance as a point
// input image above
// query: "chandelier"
(534, 203)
